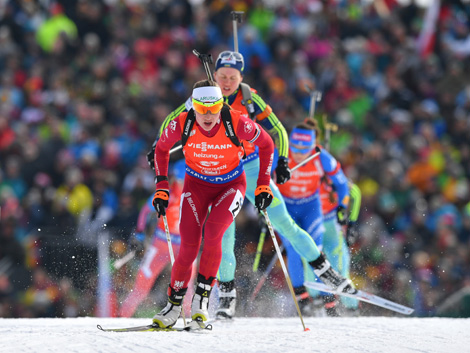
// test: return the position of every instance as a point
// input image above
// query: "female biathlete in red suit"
(214, 179)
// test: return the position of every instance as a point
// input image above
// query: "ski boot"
(304, 300)
(331, 305)
(200, 303)
(227, 300)
(330, 277)
(171, 312)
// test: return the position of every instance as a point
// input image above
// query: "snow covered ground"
(363, 334)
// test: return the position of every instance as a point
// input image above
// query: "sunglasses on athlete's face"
(208, 108)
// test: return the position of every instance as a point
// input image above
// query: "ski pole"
(172, 256)
(259, 249)
(316, 154)
(283, 265)
(236, 18)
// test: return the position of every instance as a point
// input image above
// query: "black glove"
(263, 197)
(151, 156)
(160, 201)
(283, 172)
(342, 215)
(352, 234)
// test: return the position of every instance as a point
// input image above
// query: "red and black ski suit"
(214, 180)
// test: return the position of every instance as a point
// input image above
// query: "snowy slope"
(363, 334)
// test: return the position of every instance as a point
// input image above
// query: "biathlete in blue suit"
(302, 197)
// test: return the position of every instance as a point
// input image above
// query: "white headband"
(207, 94)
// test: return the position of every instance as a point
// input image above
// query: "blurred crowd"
(85, 85)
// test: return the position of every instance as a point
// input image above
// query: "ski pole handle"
(316, 154)
(236, 18)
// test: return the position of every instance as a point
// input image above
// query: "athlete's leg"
(309, 217)
(195, 202)
(279, 216)
(333, 243)
(229, 262)
(300, 240)
(349, 303)
(225, 207)
(196, 199)
(337, 252)
(191, 288)
(329, 244)
(226, 276)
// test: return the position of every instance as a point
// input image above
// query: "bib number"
(236, 204)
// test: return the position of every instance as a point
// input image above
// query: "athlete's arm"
(252, 132)
(268, 120)
(333, 169)
(355, 203)
(170, 135)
